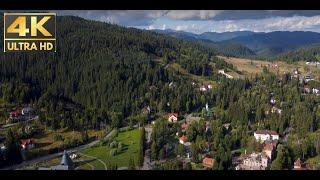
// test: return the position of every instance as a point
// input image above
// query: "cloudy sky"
(199, 21)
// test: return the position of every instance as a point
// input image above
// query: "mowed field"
(100, 156)
(251, 67)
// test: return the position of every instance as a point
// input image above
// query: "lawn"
(129, 139)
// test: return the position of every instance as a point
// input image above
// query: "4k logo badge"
(29, 32)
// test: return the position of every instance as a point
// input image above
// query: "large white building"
(254, 162)
(263, 135)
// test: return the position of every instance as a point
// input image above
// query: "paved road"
(147, 164)
(13, 124)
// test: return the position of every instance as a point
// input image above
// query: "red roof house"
(27, 143)
(173, 117)
(208, 162)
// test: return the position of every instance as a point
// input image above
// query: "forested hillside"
(308, 53)
(108, 71)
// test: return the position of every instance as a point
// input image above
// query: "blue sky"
(199, 21)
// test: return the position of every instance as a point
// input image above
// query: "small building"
(254, 162)
(173, 117)
(208, 162)
(27, 111)
(226, 126)
(308, 78)
(263, 135)
(276, 110)
(315, 91)
(306, 89)
(183, 139)
(299, 165)
(27, 144)
(203, 89)
(146, 110)
(65, 164)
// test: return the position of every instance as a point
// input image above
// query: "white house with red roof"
(173, 117)
(183, 139)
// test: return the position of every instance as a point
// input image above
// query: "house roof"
(208, 161)
(266, 132)
(27, 141)
(298, 162)
(173, 114)
(184, 138)
(268, 147)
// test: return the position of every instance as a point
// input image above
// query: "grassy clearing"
(201, 79)
(129, 139)
(251, 67)
(46, 143)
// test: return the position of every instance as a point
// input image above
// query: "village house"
(183, 139)
(208, 162)
(315, 91)
(263, 135)
(146, 110)
(254, 161)
(27, 144)
(308, 78)
(276, 110)
(226, 126)
(205, 87)
(306, 89)
(207, 126)
(173, 117)
(299, 165)
(27, 111)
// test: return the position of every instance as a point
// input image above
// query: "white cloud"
(192, 14)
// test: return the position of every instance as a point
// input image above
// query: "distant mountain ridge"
(248, 43)
(212, 36)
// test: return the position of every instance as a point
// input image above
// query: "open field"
(251, 67)
(195, 78)
(100, 155)
(47, 143)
